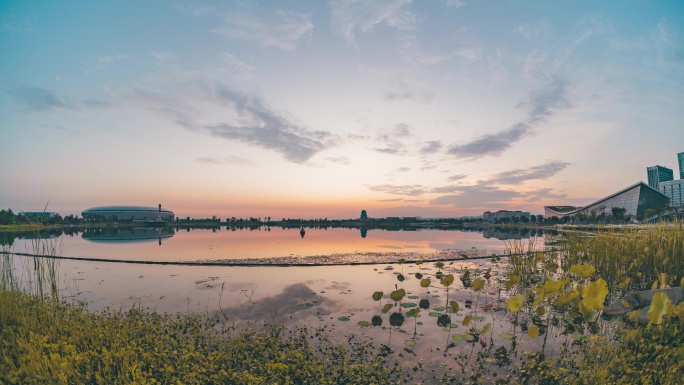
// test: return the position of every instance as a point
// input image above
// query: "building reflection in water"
(128, 235)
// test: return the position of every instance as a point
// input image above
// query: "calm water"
(338, 297)
(149, 244)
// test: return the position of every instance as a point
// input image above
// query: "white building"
(674, 189)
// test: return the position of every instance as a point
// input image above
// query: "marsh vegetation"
(533, 316)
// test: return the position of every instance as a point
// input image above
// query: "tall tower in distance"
(680, 160)
(657, 174)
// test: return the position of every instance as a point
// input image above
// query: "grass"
(47, 341)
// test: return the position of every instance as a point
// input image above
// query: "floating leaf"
(409, 343)
(553, 287)
(401, 261)
(454, 306)
(418, 275)
(377, 295)
(470, 337)
(456, 338)
(376, 320)
(565, 298)
(443, 320)
(478, 284)
(540, 311)
(487, 328)
(533, 331)
(434, 314)
(512, 280)
(583, 270)
(419, 262)
(516, 303)
(659, 305)
(413, 312)
(396, 319)
(343, 319)
(413, 297)
(594, 294)
(467, 319)
(438, 308)
(401, 277)
(408, 305)
(447, 280)
(424, 304)
(364, 324)
(397, 295)
(425, 282)
(386, 308)
(507, 336)
(439, 265)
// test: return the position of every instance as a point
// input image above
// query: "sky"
(319, 109)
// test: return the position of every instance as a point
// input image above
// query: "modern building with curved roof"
(635, 199)
(133, 213)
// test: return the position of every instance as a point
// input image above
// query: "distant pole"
(160, 219)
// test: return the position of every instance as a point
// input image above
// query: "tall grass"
(638, 254)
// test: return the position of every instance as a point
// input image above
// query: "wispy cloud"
(234, 160)
(407, 190)
(104, 61)
(492, 144)
(545, 100)
(431, 147)
(543, 171)
(475, 196)
(403, 88)
(352, 16)
(37, 99)
(276, 28)
(456, 177)
(339, 160)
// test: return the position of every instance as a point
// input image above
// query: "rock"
(641, 300)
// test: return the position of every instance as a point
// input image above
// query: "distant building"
(491, 217)
(657, 174)
(364, 215)
(635, 199)
(673, 189)
(132, 213)
(680, 160)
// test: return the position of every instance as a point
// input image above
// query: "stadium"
(126, 213)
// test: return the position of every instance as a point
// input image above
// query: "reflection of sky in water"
(205, 244)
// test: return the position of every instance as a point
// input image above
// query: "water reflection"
(128, 235)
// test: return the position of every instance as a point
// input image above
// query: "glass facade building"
(657, 174)
(680, 160)
(635, 199)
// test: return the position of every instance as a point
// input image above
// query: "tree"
(618, 213)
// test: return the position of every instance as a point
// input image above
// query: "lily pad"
(364, 324)
(343, 318)
(408, 305)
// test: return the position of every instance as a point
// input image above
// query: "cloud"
(669, 41)
(227, 160)
(351, 16)
(456, 177)
(402, 88)
(544, 193)
(431, 147)
(38, 99)
(455, 3)
(277, 28)
(546, 99)
(408, 190)
(543, 171)
(339, 159)
(492, 144)
(403, 169)
(478, 195)
(104, 61)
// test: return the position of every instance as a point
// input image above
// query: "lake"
(337, 297)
